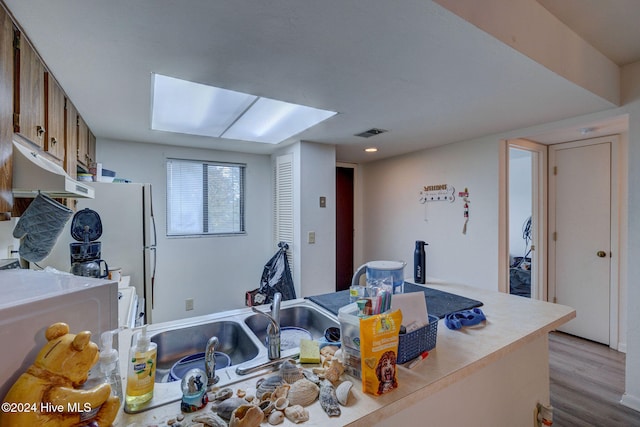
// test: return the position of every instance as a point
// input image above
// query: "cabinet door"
(54, 111)
(91, 146)
(6, 113)
(70, 138)
(30, 108)
(83, 144)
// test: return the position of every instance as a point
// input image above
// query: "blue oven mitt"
(40, 226)
(458, 319)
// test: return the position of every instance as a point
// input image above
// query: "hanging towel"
(40, 226)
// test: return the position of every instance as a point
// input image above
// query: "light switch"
(323, 202)
(312, 237)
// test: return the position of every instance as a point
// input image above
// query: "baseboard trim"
(630, 401)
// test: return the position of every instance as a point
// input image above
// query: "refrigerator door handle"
(153, 274)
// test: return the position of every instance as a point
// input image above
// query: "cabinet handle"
(40, 131)
(54, 141)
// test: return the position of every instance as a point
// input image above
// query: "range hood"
(33, 173)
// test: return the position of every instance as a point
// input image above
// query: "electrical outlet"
(312, 237)
(188, 304)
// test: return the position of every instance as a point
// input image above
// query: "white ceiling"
(410, 67)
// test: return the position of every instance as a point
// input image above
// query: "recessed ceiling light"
(371, 149)
(193, 108)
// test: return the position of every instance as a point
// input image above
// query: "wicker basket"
(413, 344)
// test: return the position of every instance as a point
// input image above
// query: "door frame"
(538, 215)
(615, 229)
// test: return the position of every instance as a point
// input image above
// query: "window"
(204, 198)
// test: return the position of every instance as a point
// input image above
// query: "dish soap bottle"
(141, 375)
(108, 363)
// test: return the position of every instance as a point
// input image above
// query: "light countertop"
(512, 322)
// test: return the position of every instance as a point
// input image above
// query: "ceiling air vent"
(371, 132)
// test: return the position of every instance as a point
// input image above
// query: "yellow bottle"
(141, 374)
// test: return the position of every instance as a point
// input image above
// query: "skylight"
(193, 108)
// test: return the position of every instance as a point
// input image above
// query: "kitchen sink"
(175, 344)
(300, 316)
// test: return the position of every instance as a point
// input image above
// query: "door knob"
(601, 254)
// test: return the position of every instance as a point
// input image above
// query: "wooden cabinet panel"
(54, 112)
(83, 144)
(6, 114)
(91, 147)
(30, 105)
(71, 138)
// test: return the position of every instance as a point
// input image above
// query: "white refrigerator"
(128, 236)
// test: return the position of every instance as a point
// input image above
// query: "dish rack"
(414, 343)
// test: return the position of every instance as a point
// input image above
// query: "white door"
(580, 241)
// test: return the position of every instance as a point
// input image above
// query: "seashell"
(328, 350)
(334, 371)
(226, 407)
(266, 396)
(223, 394)
(319, 372)
(249, 397)
(276, 417)
(281, 403)
(303, 392)
(311, 376)
(328, 399)
(290, 372)
(296, 414)
(339, 355)
(280, 391)
(268, 384)
(241, 393)
(266, 406)
(210, 419)
(342, 392)
(246, 416)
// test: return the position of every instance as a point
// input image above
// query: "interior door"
(580, 178)
(344, 227)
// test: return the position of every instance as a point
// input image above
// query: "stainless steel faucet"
(210, 361)
(273, 330)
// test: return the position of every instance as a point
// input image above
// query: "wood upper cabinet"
(6, 114)
(29, 117)
(70, 138)
(91, 146)
(83, 144)
(54, 141)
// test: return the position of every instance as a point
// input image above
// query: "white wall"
(519, 198)
(314, 264)
(631, 99)
(394, 219)
(214, 271)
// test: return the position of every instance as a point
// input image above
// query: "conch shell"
(246, 416)
(303, 392)
(296, 414)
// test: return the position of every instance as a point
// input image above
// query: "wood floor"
(587, 383)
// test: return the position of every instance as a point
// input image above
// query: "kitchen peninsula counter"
(489, 375)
